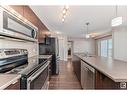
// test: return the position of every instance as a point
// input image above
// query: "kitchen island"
(109, 73)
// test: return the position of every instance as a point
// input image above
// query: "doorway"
(70, 49)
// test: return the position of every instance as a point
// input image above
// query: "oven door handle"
(38, 73)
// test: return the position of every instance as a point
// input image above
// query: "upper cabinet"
(27, 12)
(31, 16)
(18, 8)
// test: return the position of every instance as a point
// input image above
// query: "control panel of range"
(5, 53)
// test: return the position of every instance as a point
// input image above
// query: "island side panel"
(77, 66)
(104, 82)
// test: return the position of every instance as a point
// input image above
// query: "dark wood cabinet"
(18, 8)
(14, 86)
(77, 66)
(101, 81)
(104, 82)
(31, 16)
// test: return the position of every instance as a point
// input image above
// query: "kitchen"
(34, 51)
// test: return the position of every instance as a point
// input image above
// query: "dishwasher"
(87, 76)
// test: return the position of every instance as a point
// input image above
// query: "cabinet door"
(82, 75)
(103, 82)
(18, 8)
(77, 66)
(98, 80)
(30, 16)
(14, 86)
(107, 83)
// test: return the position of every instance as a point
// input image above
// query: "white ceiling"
(99, 18)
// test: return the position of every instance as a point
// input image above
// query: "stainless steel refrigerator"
(51, 46)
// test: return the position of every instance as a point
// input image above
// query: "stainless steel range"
(34, 71)
(12, 58)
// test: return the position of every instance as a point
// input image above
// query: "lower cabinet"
(14, 86)
(91, 78)
(77, 66)
(104, 82)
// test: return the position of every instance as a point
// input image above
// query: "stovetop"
(27, 68)
(16, 61)
(17, 70)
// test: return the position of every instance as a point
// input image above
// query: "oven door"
(40, 79)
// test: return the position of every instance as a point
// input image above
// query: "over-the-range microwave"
(12, 24)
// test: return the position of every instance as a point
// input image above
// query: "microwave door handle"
(35, 34)
(38, 73)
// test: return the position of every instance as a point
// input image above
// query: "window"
(110, 48)
(106, 48)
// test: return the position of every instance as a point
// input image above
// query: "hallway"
(66, 78)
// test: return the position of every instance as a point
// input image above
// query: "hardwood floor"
(66, 78)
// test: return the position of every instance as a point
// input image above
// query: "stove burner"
(17, 70)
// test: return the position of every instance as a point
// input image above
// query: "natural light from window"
(106, 48)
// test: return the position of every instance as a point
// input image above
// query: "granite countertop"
(45, 56)
(8, 79)
(33, 62)
(114, 69)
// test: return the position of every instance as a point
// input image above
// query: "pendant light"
(64, 12)
(117, 20)
(87, 34)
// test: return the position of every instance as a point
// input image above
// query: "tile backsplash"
(30, 46)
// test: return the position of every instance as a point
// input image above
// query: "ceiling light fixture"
(65, 9)
(63, 19)
(64, 16)
(117, 20)
(87, 34)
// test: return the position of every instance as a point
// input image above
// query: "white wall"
(83, 45)
(62, 45)
(120, 43)
(30, 46)
(63, 48)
